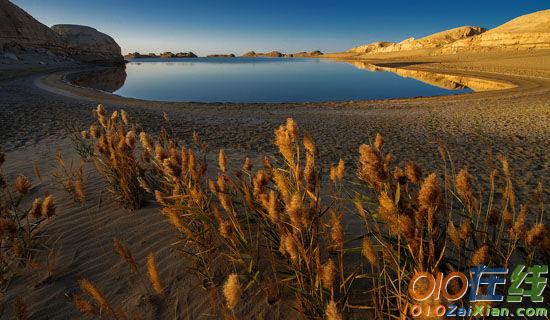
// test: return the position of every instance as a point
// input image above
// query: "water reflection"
(444, 81)
(272, 80)
(105, 79)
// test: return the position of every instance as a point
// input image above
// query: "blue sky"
(208, 26)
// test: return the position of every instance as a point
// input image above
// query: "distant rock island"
(231, 55)
(24, 39)
(272, 54)
(530, 31)
(168, 54)
(277, 54)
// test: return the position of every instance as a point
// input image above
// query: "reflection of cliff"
(445, 81)
(104, 79)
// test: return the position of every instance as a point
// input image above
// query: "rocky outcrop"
(371, 47)
(221, 56)
(167, 55)
(272, 54)
(178, 55)
(304, 54)
(531, 31)
(89, 45)
(23, 36)
(436, 40)
(277, 54)
(137, 55)
(186, 55)
(249, 54)
(18, 27)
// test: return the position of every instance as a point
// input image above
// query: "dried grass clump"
(279, 226)
(414, 224)
(277, 206)
(18, 226)
(117, 158)
(82, 144)
(70, 178)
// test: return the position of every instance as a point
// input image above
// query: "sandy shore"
(475, 128)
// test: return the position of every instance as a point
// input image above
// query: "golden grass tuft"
(153, 274)
(368, 252)
(84, 306)
(125, 254)
(22, 185)
(98, 296)
(281, 223)
(332, 311)
(232, 291)
(328, 272)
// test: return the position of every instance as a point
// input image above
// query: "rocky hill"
(87, 44)
(23, 38)
(531, 31)
(436, 40)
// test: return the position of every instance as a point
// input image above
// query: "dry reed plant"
(414, 226)
(277, 229)
(81, 141)
(268, 223)
(100, 306)
(116, 157)
(18, 226)
(70, 178)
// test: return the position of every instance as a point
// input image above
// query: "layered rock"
(186, 55)
(272, 54)
(19, 30)
(530, 31)
(137, 55)
(249, 54)
(178, 55)
(22, 35)
(436, 40)
(304, 54)
(231, 55)
(89, 45)
(277, 54)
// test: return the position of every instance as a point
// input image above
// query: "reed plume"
(328, 271)
(480, 256)
(153, 274)
(369, 252)
(84, 306)
(125, 254)
(48, 207)
(332, 312)
(232, 291)
(96, 294)
(535, 236)
(413, 172)
(22, 185)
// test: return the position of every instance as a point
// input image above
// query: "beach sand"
(475, 128)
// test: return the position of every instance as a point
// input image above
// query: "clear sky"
(209, 26)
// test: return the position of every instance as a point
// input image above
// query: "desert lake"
(268, 80)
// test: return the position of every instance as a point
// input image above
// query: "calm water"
(265, 80)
